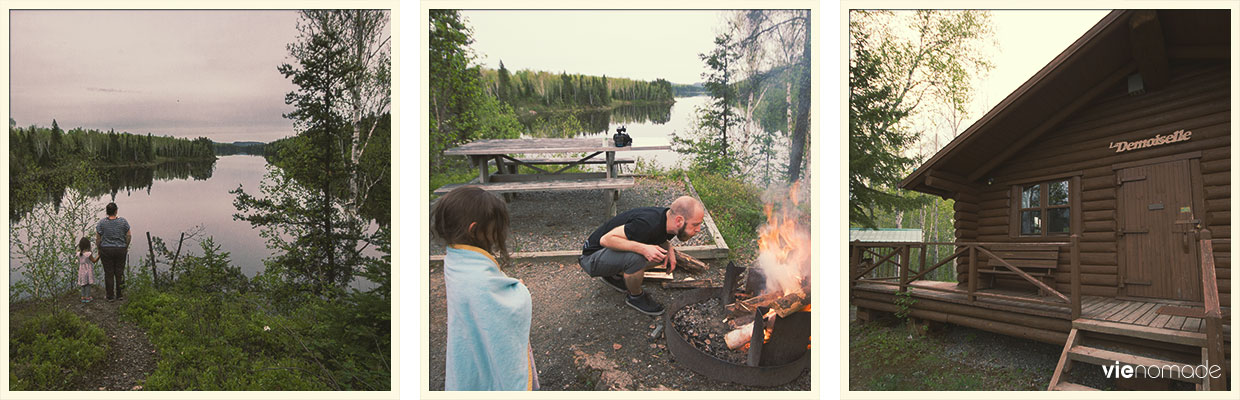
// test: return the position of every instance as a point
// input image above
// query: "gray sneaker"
(616, 282)
(644, 303)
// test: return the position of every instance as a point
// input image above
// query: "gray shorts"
(608, 262)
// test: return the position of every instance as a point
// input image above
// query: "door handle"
(1123, 232)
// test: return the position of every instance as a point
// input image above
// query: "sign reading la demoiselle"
(1159, 140)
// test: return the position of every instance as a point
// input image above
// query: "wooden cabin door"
(1156, 226)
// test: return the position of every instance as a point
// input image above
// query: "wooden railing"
(859, 266)
(1213, 350)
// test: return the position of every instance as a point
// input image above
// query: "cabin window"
(1044, 209)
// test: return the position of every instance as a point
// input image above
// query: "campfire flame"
(784, 245)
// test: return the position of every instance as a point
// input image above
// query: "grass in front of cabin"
(886, 355)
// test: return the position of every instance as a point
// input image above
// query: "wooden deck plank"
(1191, 324)
(1133, 316)
(1144, 332)
(1145, 319)
(1092, 303)
(1096, 307)
(1125, 315)
(1159, 321)
(1175, 322)
(1111, 307)
(1128, 310)
(1122, 307)
(1108, 306)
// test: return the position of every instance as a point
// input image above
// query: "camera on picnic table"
(621, 138)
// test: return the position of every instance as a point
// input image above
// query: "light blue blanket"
(488, 324)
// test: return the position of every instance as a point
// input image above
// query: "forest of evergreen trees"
(47, 148)
(540, 89)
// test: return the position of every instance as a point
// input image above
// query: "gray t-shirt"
(113, 231)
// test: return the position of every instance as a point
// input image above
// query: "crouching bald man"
(620, 251)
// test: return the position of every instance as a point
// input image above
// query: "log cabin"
(1091, 205)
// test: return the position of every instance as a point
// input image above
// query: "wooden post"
(1076, 277)
(611, 201)
(972, 272)
(483, 170)
(1213, 315)
(854, 259)
(922, 269)
(178, 255)
(903, 266)
(151, 248)
(611, 164)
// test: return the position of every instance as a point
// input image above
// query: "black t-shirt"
(643, 225)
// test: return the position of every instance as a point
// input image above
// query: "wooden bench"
(609, 184)
(1037, 261)
(511, 167)
(552, 161)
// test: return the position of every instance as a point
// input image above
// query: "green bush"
(214, 331)
(736, 208)
(50, 351)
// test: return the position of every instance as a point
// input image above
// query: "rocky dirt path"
(131, 356)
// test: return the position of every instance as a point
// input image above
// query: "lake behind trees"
(647, 124)
(165, 202)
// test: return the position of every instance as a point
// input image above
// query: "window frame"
(1016, 193)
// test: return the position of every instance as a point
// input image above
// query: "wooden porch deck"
(1141, 312)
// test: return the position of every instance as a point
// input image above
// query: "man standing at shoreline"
(620, 251)
(112, 237)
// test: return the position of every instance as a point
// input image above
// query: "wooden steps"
(1065, 386)
(1144, 332)
(1077, 350)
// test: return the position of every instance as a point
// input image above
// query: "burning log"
(782, 304)
(739, 337)
(785, 306)
(688, 284)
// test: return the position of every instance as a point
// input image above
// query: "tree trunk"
(801, 132)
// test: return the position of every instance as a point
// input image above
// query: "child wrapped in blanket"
(488, 343)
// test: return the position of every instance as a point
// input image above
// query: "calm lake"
(168, 200)
(648, 125)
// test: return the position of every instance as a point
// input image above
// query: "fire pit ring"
(698, 361)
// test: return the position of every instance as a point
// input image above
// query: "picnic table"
(503, 155)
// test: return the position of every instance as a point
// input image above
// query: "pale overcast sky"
(181, 73)
(637, 44)
(1028, 40)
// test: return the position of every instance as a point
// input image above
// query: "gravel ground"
(583, 334)
(552, 221)
(585, 337)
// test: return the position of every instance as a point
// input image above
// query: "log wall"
(1197, 100)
